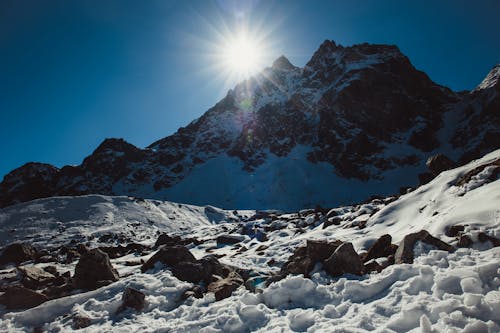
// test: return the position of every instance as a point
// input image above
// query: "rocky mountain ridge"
(353, 117)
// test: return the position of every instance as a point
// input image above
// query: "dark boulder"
(170, 256)
(17, 253)
(439, 163)
(18, 297)
(404, 253)
(132, 298)
(189, 271)
(381, 248)
(94, 270)
(344, 260)
(319, 250)
(224, 288)
(298, 263)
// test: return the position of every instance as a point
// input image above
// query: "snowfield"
(439, 292)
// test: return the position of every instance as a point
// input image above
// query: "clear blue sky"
(75, 72)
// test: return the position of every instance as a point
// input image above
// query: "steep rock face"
(359, 117)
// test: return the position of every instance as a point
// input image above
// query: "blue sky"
(75, 72)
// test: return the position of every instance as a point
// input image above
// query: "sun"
(243, 56)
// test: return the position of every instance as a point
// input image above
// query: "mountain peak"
(491, 79)
(282, 63)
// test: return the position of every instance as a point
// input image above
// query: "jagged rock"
(439, 163)
(454, 230)
(81, 321)
(93, 270)
(224, 288)
(17, 253)
(404, 253)
(170, 256)
(132, 298)
(381, 248)
(319, 250)
(34, 277)
(344, 260)
(18, 297)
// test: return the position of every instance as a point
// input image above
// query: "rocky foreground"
(423, 261)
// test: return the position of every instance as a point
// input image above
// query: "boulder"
(319, 250)
(19, 297)
(94, 270)
(170, 256)
(224, 288)
(132, 298)
(381, 248)
(189, 271)
(344, 260)
(34, 277)
(439, 163)
(298, 263)
(404, 253)
(17, 253)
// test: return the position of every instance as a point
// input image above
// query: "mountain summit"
(353, 122)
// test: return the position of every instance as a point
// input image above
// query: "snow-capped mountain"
(353, 122)
(274, 272)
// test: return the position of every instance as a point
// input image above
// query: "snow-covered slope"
(439, 292)
(352, 115)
